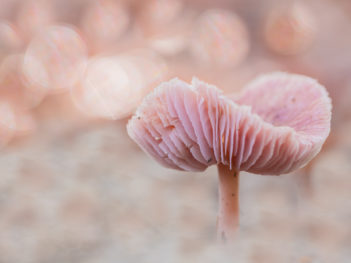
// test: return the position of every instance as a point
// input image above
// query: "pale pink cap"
(278, 123)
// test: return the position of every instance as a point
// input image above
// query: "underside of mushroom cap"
(278, 123)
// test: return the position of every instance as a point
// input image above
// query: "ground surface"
(89, 194)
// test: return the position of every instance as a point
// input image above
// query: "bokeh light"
(157, 15)
(290, 29)
(7, 123)
(103, 22)
(33, 16)
(112, 87)
(13, 86)
(165, 25)
(55, 59)
(220, 37)
(14, 122)
(10, 39)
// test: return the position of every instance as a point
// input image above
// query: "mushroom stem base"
(228, 213)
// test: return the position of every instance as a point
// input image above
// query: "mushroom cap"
(276, 125)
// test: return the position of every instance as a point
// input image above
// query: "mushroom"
(276, 125)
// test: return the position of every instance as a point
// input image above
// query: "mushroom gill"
(277, 124)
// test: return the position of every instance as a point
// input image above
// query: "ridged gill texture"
(276, 125)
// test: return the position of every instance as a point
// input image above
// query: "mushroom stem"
(305, 181)
(228, 213)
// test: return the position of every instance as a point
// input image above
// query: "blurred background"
(75, 188)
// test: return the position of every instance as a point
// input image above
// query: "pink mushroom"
(276, 125)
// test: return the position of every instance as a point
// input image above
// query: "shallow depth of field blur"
(75, 188)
